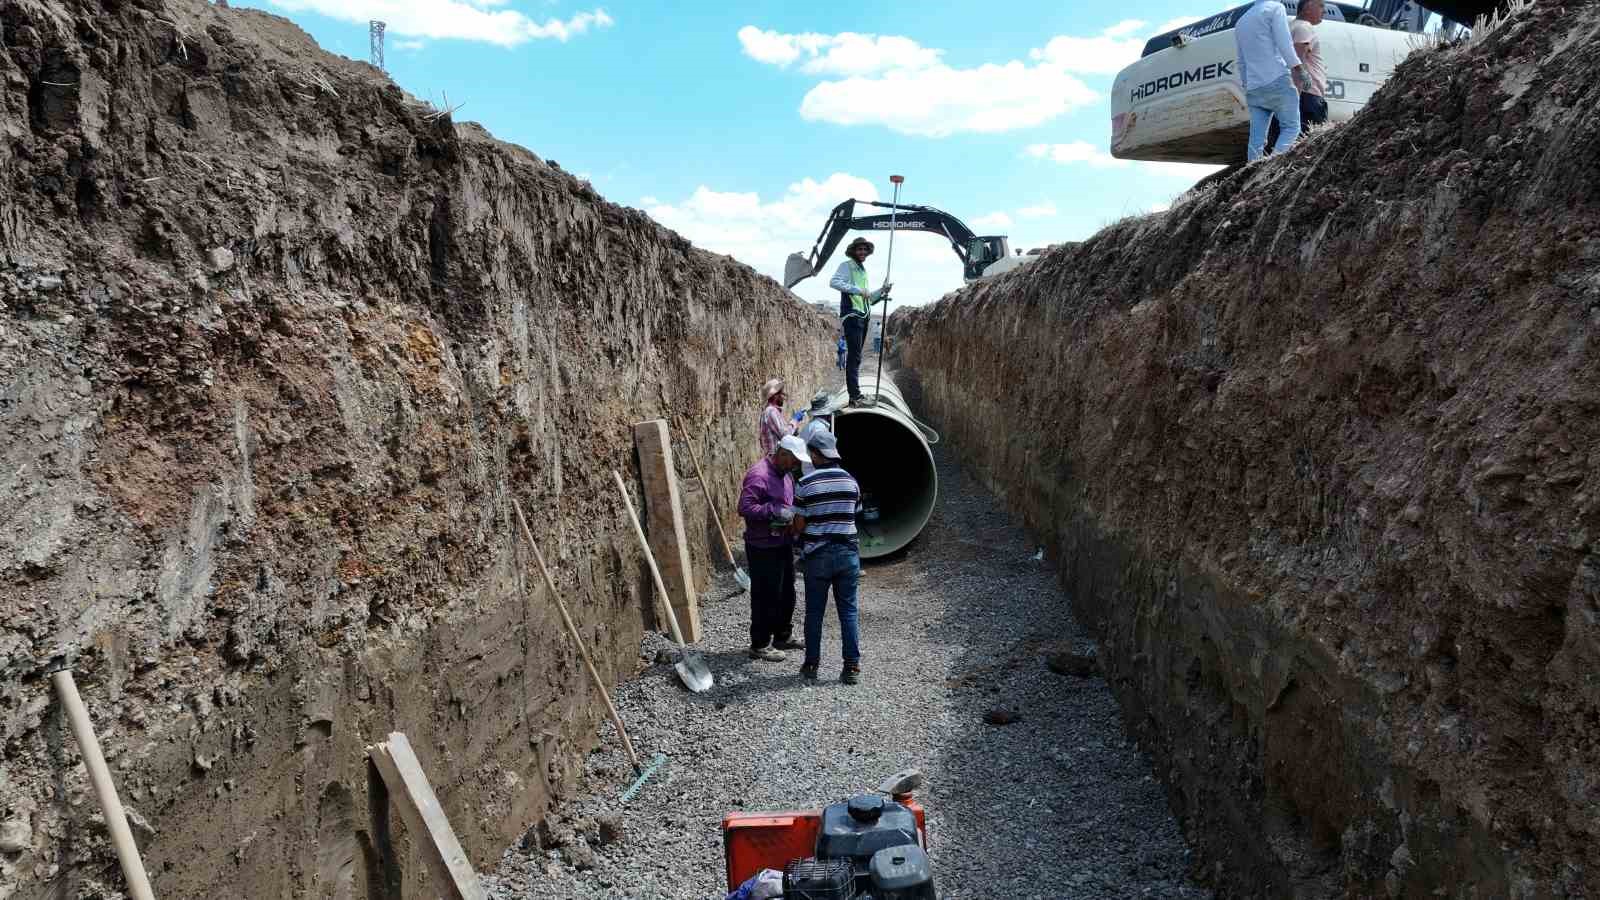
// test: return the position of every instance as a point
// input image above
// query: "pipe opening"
(894, 467)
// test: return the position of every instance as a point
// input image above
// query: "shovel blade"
(796, 269)
(694, 673)
(742, 577)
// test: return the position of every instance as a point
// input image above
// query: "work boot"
(851, 673)
(808, 672)
(788, 644)
(768, 654)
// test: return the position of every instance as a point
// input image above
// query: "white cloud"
(410, 45)
(1085, 153)
(846, 53)
(895, 82)
(939, 101)
(763, 232)
(470, 20)
(992, 220)
(1038, 211)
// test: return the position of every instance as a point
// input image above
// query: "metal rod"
(888, 268)
(104, 790)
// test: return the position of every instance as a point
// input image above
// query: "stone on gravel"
(610, 828)
(1074, 663)
(579, 855)
(999, 715)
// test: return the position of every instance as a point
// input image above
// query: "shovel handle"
(104, 790)
(577, 637)
(638, 530)
(721, 532)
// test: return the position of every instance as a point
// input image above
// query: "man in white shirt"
(1313, 75)
(1269, 69)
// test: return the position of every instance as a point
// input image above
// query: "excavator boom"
(904, 217)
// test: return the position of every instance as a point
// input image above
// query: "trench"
(1059, 804)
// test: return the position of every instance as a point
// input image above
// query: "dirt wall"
(278, 344)
(1317, 450)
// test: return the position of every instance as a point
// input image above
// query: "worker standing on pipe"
(766, 503)
(855, 308)
(826, 503)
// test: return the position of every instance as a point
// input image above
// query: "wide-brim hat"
(772, 388)
(820, 401)
(859, 242)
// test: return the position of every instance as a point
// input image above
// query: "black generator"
(867, 849)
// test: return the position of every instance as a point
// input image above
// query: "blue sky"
(742, 124)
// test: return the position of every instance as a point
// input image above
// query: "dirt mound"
(277, 345)
(1318, 449)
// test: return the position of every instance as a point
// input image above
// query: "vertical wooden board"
(664, 523)
(425, 819)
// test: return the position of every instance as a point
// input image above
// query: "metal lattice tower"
(376, 29)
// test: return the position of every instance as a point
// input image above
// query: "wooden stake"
(577, 638)
(104, 790)
(425, 818)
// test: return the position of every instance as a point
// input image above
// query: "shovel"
(739, 574)
(692, 668)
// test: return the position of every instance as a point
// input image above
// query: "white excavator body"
(1186, 103)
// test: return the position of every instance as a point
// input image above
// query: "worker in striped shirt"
(825, 505)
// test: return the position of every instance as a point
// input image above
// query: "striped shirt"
(828, 499)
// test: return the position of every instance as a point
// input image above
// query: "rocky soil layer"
(974, 671)
(278, 344)
(1317, 453)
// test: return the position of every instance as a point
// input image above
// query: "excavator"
(977, 253)
(1183, 100)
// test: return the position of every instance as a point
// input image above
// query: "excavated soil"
(1317, 453)
(278, 344)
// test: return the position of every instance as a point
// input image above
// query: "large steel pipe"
(887, 451)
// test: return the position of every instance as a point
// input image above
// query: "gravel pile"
(964, 630)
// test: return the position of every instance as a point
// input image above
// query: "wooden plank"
(664, 523)
(425, 818)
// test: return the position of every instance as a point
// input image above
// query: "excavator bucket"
(796, 269)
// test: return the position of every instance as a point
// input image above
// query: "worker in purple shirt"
(766, 503)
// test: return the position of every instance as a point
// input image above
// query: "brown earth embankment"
(1319, 452)
(277, 347)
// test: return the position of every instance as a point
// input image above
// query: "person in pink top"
(774, 426)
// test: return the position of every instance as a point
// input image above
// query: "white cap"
(795, 446)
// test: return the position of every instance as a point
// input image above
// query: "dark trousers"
(855, 334)
(771, 594)
(1313, 111)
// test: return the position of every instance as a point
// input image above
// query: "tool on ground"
(577, 637)
(691, 667)
(888, 268)
(104, 790)
(869, 845)
(656, 762)
(739, 574)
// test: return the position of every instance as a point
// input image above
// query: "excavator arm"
(905, 217)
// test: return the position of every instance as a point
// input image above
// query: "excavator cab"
(984, 251)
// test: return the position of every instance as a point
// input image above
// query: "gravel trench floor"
(1058, 804)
